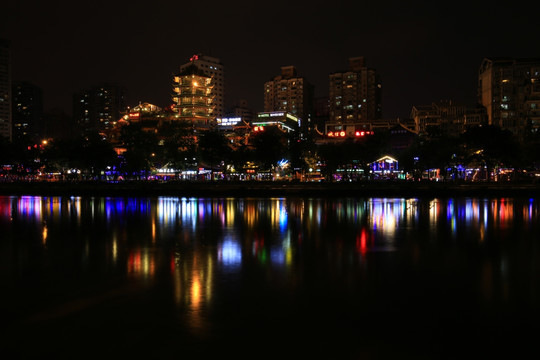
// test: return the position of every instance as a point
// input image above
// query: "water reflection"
(198, 240)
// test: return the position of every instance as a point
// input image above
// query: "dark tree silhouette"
(213, 149)
(141, 147)
(270, 145)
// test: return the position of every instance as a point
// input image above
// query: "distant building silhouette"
(290, 93)
(27, 111)
(213, 68)
(242, 110)
(99, 107)
(58, 125)
(5, 89)
(446, 117)
(509, 89)
(320, 113)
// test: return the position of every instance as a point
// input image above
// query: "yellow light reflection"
(153, 230)
(44, 234)
(229, 215)
(209, 277)
(115, 248)
(195, 292)
(141, 264)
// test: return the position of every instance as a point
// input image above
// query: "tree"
(492, 147)
(97, 154)
(141, 146)
(179, 147)
(213, 149)
(270, 146)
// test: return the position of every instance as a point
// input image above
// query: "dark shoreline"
(271, 189)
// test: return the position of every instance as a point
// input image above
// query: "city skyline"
(423, 53)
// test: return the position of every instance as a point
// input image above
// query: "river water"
(343, 278)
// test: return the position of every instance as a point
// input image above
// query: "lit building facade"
(193, 97)
(354, 95)
(214, 69)
(292, 94)
(99, 107)
(509, 89)
(27, 111)
(283, 120)
(5, 90)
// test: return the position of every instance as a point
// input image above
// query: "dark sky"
(423, 51)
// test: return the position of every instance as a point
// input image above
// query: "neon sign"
(342, 133)
(228, 121)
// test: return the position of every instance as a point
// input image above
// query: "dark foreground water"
(253, 278)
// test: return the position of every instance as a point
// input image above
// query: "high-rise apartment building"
(290, 93)
(27, 111)
(213, 68)
(192, 96)
(98, 107)
(355, 95)
(5, 89)
(509, 89)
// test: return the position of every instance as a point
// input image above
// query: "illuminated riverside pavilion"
(192, 97)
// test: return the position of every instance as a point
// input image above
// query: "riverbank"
(271, 189)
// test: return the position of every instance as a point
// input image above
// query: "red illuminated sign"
(336, 134)
(357, 133)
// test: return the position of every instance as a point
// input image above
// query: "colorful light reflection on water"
(206, 248)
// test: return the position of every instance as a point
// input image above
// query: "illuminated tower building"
(5, 89)
(214, 69)
(355, 95)
(27, 115)
(192, 96)
(290, 93)
(509, 89)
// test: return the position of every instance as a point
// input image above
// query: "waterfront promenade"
(272, 189)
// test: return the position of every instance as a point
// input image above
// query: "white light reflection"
(277, 255)
(230, 254)
(385, 214)
(278, 214)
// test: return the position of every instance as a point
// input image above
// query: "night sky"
(423, 51)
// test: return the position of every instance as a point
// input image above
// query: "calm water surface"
(348, 278)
